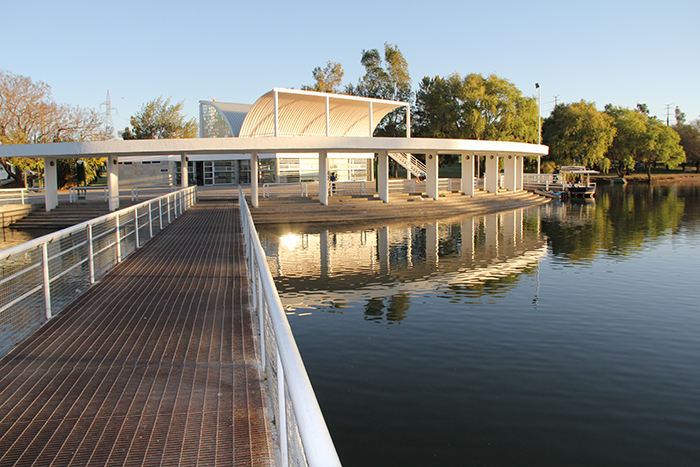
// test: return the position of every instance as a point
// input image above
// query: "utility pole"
(668, 113)
(539, 122)
(108, 121)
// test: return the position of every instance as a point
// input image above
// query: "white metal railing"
(418, 186)
(409, 162)
(285, 189)
(14, 196)
(76, 193)
(546, 181)
(347, 187)
(38, 278)
(303, 435)
(135, 190)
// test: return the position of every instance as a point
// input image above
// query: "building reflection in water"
(383, 267)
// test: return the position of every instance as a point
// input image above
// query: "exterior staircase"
(63, 216)
(409, 162)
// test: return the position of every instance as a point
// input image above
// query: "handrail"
(75, 191)
(48, 272)
(135, 190)
(318, 448)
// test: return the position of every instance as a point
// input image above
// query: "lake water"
(563, 335)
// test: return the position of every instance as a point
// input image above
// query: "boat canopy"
(577, 170)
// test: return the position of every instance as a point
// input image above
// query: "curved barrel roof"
(310, 113)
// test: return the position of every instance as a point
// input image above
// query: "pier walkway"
(155, 364)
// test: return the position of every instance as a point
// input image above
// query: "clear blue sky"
(619, 52)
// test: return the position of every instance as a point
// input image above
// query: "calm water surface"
(565, 335)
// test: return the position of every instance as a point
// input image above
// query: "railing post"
(47, 279)
(282, 413)
(136, 226)
(169, 196)
(91, 252)
(150, 219)
(261, 317)
(119, 244)
(160, 213)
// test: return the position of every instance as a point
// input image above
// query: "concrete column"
(468, 174)
(254, 179)
(323, 177)
(113, 182)
(383, 176)
(491, 174)
(184, 171)
(509, 166)
(431, 175)
(50, 183)
(519, 170)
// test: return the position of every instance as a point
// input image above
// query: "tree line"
(28, 115)
(454, 106)
(493, 108)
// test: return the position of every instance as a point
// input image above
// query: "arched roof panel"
(233, 114)
(303, 113)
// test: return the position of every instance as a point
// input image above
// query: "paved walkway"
(153, 365)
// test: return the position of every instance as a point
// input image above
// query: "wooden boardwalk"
(154, 365)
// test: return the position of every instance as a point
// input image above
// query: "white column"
(254, 179)
(323, 177)
(491, 174)
(431, 176)
(383, 176)
(509, 167)
(408, 121)
(113, 182)
(519, 169)
(468, 174)
(50, 183)
(184, 171)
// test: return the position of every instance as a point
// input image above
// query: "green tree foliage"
(475, 107)
(28, 114)
(158, 119)
(578, 134)
(690, 141)
(641, 139)
(630, 133)
(327, 79)
(386, 78)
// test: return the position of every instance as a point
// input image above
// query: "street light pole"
(539, 121)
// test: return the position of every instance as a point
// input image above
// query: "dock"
(155, 364)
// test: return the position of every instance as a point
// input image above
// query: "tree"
(641, 139)
(690, 141)
(28, 115)
(474, 108)
(385, 79)
(578, 133)
(158, 119)
(661, 146)
(327, 79)
(630, 133)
